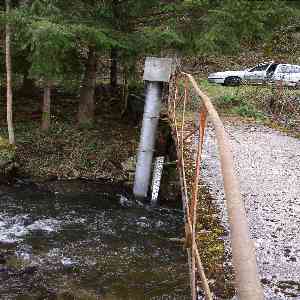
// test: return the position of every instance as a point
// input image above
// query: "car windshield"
(260, 67)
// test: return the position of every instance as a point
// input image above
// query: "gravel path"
(268, 165)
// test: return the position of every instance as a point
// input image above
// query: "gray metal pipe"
(147, 141)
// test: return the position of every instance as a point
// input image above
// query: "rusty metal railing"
(247, 281)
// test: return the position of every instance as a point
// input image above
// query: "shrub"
(228, 101)
(248, 111)
(238, 105)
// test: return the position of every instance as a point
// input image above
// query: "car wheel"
(232, 81)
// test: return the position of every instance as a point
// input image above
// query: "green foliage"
(223, 26)
(48, 31)
(228, 100)
(249, 111)
(239, 105)
(51, 37)
(49, 43)
(246, 100)
(91, 35)
(158, 38)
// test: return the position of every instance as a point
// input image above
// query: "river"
(88, 245)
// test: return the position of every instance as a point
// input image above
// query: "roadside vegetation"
(276, 106)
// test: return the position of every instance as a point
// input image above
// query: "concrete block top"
(158, 69)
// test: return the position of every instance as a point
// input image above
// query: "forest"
(87, 56)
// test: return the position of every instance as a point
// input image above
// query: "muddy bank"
(267, 163)
(68, 151)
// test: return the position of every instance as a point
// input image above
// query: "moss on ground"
(210, 241)
(7, 151)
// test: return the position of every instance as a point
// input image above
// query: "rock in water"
(124, 202)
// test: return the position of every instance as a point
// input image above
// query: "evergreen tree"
(47, 31)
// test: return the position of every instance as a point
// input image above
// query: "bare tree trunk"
(46, 107)
(9, 94)
(86, 110)
(125, 90)
(113, 69)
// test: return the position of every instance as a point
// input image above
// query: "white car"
(265, 72)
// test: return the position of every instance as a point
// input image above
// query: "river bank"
(68, 151)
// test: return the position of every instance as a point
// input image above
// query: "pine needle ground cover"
(68, 151)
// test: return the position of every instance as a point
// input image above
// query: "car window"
(292, 69)
(285, 69)
(261, 67)
(295, 69)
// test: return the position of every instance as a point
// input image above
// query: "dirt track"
(268, 165)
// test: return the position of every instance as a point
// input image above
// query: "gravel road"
(268, 165)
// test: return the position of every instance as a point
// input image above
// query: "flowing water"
(88, 245)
